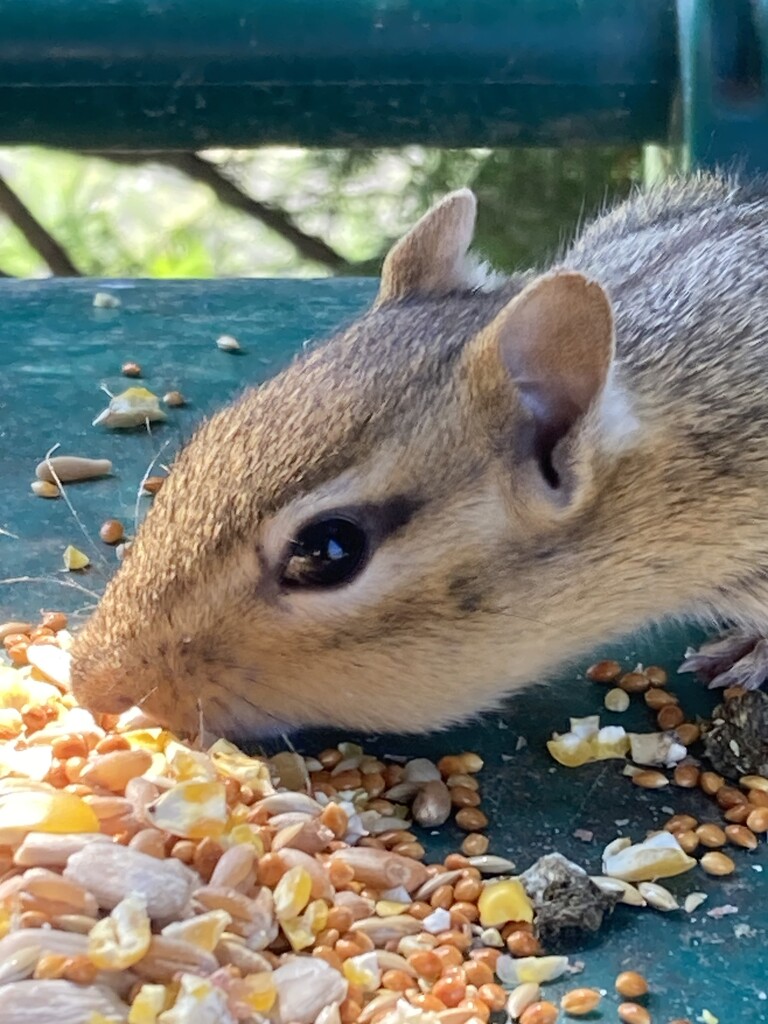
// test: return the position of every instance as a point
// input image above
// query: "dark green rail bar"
(138, 74)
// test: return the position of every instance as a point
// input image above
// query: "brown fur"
(445, 398)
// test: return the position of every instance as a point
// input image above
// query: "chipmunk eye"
(326, 553)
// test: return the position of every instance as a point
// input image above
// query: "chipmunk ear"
(552, 346)
(430, 259)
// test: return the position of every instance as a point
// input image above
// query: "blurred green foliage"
(150, 220)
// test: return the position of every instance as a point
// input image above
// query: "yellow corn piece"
(122, 939)
(292, 893)
(660, 856)
(316, 915)
(231, 762)
(192, 810)
(587, 742)
(536, 969)
(389, 908)
(260, 991)
(198, 1001)
(74, 559)
(5, 920)
(17, 690)
(38, 811)
(188, 765)
(203, 931)
(153, 740)
(246, 834)
(363, 970)
(504, 901)
(298, 933)
(149, 1003)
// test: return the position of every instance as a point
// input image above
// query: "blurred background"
(284, 212)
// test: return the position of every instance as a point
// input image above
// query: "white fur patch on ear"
(478, 275)
(617, 425)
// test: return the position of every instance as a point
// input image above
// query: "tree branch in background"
(44, 245)
(230, 194)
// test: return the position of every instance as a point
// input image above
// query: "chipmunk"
(477, 481)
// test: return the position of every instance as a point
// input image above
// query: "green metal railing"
(189, 74)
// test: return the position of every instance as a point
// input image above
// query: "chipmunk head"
(366, 539)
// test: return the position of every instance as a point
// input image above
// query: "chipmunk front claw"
(734, 659)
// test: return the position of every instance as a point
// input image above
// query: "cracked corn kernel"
(363, 970)
(60, 812)
(660, 856)
(505, 901)
(75, 560)
(149, 1003)
(122, 939)
(260, 991)
(203, 930)
(191, 810)
(292, 893)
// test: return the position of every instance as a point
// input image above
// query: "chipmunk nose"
(96, 687)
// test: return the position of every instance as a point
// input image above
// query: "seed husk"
(69, 468)
(657, 896)
(44, 489)
(521, 997)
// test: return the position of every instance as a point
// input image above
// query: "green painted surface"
(190, 74)
(57, 350)
(722, 82)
